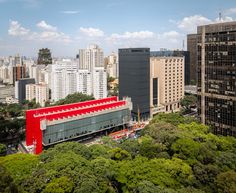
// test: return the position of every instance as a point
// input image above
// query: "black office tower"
(134, 79)
(217, 76)
(192, 49)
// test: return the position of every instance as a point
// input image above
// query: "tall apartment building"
(192, 49)
(167, 82)
(84, 82)
(20, 88)
(35, 72)
(99, 83)
(39, 92)
(61, 78)
(4, 74)
(18, 72)
(57, 76)
(30, 92)
(134, 76)
(217, 76)
(91, 57)
(92, 60)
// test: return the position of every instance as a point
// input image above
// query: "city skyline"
(66, 26)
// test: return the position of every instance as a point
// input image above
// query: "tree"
(226, 182)
(6, 182)
(173, 155)
(74, 98)
(119, 154)
(205, 176)
(132, 146)
(14, 110)
(162, 132)
(3, 149)
(172, 118)
(59, 185)
(19, 166)
(188, 101)
(186, 149)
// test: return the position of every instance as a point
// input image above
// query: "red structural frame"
(33, 117)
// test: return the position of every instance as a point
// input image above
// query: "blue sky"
(64, 26)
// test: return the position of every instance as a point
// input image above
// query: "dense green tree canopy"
(174, 154)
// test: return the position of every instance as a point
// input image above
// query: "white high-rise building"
(62, 79)
(91, 57)
(42, 93)
(57, 82)
(84, 83)
(35, 72)
(99, 83)
(92, 60)
(38, 91)
(30, 91)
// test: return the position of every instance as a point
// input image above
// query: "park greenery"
(174, 154)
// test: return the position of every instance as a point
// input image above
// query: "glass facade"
(134, 79)
(84, 126)
(217, 88)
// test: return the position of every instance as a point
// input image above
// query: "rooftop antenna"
(220, 16)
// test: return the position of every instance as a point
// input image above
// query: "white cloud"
(133, 35)
(44, 26)
(70, 12)
(16, 29)
(48, 34)
(230, 11)
(190, 23)
(92, 32)
(171, 36)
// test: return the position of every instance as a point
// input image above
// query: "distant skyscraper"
(20, 88)
(44, 56)
(35, 72)
(18, 73)
(91, 57)
(92, 60)
(192, 48)
(134, 79)
(217, 76)
(18, 60)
